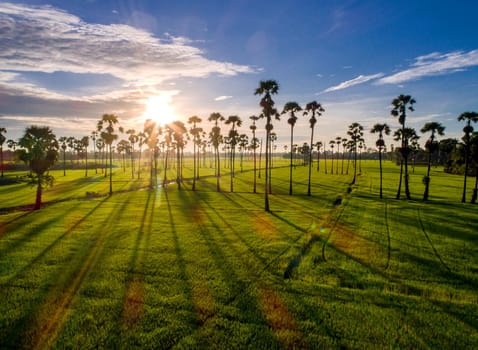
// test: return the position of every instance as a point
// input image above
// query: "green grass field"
(176, 269)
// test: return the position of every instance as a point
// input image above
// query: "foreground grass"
(165, 268)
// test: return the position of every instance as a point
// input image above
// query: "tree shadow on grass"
(46, 311)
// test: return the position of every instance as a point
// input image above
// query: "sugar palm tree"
(332, 145)
(344, 151)
(234, 120)
(380, 143)
(94, 136)
(2, 141)
(412, 139)
(40, 151)
(133, 139)
(266, 89)
(313, 109)
(468, 117)
(62, 141)
(431, 146)
(318, 146)
(338, 141)
(243, 142)
(216, 139)
(179, 133)
(400, 106)
(254, 144)
(356, 135)
(195, 131)
(474, 159)
(292, 108)
(107, 128)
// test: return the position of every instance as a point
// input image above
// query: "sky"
(63, 64)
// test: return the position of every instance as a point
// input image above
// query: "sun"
(159, 109)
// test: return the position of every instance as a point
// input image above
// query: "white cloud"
(46, 39)
(222, 98)
(434, 64)
(358, 80)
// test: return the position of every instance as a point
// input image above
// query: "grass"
(165, 268)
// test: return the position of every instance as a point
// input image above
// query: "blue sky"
(65, 63)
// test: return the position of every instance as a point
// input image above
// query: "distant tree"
(344, 148)
(318, 146)
(431, 146)
(179, 136)
(94, 137)
(292, 108)
(338, 141)
(474, 161)
(195, 131)
(216, 139)
(107, 128)
(2, 141)
(266, 89)
(468, 117)
(40, 152)
(332, 145)
(254, 145)
(313, 109)
(356, 135)
(85, 142)
(133, 139)
(100, 145)
(400, 106)
(380, 143)
(151, 134)
(123, 149)
(412, 142)
(234, 120)
(243, 142)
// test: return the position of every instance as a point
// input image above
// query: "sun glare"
(159, 109)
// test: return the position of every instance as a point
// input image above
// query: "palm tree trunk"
(407, 187)
(355, 166)
(266, 182)
(111, 171)
(255, 165)
(310, 162)
(194, 166)
(380, 163)
(475, 190)
(218, 172)
(427, 178)
(400, 181)
(39, 193)
(290, 170)
(463, 197)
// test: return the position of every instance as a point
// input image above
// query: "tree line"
(40, 149)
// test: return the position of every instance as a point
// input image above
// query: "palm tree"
(179, 132)
(400, 105)
(40, 151)
(243, 141)
(195, 131)
(380, 143)
(85, 142)
(216, 139)
(474, 158)
(314, 109)
(151, 132)
(123, 148)
(344, 148)
(318, 146)
(94, 136)
(356, 133)
(431, 146)
(107, 129)
(254, 145)
(468, 129)
(332, 145)
(63, 140)
(412, 137)
(267, 88)
(2, 141)
(338, 141)
(133, 139)
(234, 120)
(291, 108)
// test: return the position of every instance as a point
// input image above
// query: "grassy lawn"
(165, 268)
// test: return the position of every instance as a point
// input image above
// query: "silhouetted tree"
(431, 146)
(267, 89)
(400, 106)
(2, 141)
(107, 128)
(40, 152)
(356, 135)
(216, 139)
(468, 117)
(254, 145)
(234, 120)
(292, 108)
(380, 143)
(313, 109)
(195, 131)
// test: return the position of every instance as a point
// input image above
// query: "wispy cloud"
(434, 64)
(358, 80)
(222, 98)
(46, 39)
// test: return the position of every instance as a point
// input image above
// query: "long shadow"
(241, 294)
(53, 244)
(52, 300)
